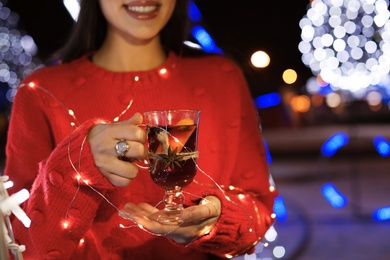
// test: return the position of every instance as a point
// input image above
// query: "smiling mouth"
(143, 9)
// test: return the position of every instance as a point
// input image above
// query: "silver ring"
(121, 147)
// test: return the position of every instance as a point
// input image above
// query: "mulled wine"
(172, 155)
(172, 141)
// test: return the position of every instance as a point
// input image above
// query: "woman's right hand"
(103, 139)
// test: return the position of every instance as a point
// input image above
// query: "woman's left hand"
(197, 220)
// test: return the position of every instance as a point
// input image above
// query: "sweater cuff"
(242, 224)
(73, 157)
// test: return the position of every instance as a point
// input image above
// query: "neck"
(117, 55)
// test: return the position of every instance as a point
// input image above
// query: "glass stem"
(174, 199)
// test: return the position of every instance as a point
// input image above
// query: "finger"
(140, 214)
(128, 131)
(196, 214)
(117, 180)
(206, 210)
(119, 173)
(147, 208)
(135, 132)
(104, 138)
(143, 209)
(136, 150)
(124, 169)
(130, 211)
(136, 119)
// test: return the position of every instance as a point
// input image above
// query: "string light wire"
(79, 178)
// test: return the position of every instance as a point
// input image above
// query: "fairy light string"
(33, 85)
(241, 194)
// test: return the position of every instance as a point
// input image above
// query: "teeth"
(142, 9)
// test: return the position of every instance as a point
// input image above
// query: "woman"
(125, 57)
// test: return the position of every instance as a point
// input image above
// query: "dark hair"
(90, 30)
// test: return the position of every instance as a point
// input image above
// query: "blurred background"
(319, 75)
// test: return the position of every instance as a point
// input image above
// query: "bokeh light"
(268, 100)
(374, 98)
(334, 196)
(279, 251)
(347, 43)
(73, 7)
(381, 214)
(205, 40)
(260, 59)
(17, 53)
(280, 209)
(271, 234)
(194, 13)
(334, 143)
(290, 76)
(382, 146)
(333, 100)
(300, 103)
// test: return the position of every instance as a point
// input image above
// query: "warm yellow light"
(289, 76)
(260, 59)
(300, 104)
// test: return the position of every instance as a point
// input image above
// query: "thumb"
(136, 119)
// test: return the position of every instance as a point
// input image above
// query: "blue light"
(325, 90)
(268, 100)
(267, 152)
(381, 214)
(333, 196)
(194, 12)
(382, 146)
(280, 209)
(205, 40)
(334, 143)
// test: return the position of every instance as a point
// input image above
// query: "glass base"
(171, 217)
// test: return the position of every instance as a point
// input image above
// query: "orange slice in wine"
(185, 121)
(179, 135)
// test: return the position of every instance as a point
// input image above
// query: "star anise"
(170, 160)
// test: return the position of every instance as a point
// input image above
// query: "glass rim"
(172, 110)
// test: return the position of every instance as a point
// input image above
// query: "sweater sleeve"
(55, 177)
(247, 202)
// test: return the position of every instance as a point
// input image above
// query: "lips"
(143, 10)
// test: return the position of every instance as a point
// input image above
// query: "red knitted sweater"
(52, 112)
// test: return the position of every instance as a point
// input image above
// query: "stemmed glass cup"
(172, 145)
